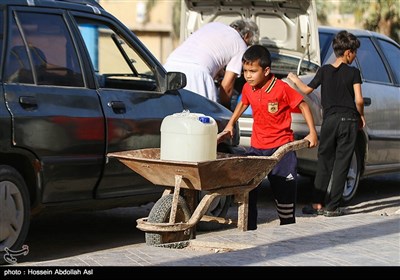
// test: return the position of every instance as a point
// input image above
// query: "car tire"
(160, 213)
(353, 178)
(15, 212)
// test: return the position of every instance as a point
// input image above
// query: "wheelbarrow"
(174, 216)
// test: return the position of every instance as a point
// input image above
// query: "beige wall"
(156, 33)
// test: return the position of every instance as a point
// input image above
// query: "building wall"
(154, 29)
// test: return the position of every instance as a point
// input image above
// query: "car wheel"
(353, 178)
(218, 208)
(160, 214)
(14, 210)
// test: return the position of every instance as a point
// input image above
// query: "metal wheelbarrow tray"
(227, 175)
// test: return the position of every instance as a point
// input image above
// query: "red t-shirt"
(272, 106)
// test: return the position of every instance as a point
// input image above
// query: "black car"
(76, 84)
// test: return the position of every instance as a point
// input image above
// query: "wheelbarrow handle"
(291, 146)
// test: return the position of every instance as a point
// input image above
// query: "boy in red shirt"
(272, 102)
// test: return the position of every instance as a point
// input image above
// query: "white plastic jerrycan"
(188, 137)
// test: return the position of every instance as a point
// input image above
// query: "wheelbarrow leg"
(243, 209)
(178, 181)
(189, 198)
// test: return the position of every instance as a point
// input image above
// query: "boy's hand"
(222, 136)
(292, 77)
(313, 139)
(362, 123)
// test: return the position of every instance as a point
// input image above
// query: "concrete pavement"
(360, 239)
(365, 241)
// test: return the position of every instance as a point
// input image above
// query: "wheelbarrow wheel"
(160, 214)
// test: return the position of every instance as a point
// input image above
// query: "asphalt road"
(64, 235)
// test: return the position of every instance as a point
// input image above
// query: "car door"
(54, 115)
(381, 94)
(132, 97)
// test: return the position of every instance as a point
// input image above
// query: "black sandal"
(308, 209)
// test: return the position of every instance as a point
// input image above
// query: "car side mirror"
(175, 80)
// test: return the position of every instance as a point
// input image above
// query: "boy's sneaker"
(308, 209)
(334, 213)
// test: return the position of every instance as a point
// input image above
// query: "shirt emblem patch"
(273, 107)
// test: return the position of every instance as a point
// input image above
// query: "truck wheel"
(160, 214)
(14, 211)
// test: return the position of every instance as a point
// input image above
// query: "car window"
(1, 35)
(368, 60)
(325, 43)
(116, 63)
(331, 57)
(392, 53)
(371, 64)
(48, 57)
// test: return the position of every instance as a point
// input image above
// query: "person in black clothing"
(343, 114)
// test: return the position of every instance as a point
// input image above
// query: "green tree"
(382, 16)
(322, 7)
(176, 20)
(149, 6)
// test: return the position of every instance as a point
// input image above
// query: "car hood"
(288, 27)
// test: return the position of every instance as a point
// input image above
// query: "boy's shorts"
(287, 166)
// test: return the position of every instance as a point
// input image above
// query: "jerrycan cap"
(204, 119)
